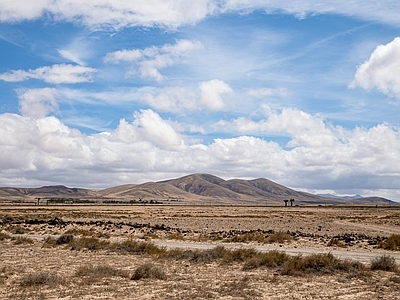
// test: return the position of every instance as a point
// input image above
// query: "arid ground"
(199, 252)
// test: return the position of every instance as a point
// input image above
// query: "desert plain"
(199, 252)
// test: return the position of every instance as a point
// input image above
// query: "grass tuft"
(384, 263)
(322, 263)
(41, 278)
(392, 243)
(149, 270)
(4, 236)
(89, 243)
(272, 258)
(91, 274)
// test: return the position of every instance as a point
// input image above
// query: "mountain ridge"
(198, 188)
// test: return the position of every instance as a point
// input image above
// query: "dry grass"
(138, 247)
(392, 243)
(336, 243)
(4, 236)
(87, 233)
(259, 237)
(384, 263)
(90, 274)
(89, 243)
(22, 240)
(323, 263)
(149, 270)
(44, 277)
(268, 259)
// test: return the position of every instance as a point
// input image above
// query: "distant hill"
(192, 189)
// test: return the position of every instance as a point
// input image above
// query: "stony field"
(199, 252)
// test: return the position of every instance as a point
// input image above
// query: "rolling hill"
(191, 189)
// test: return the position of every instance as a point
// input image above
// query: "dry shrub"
(279, 237)
(176, 236)
(92, 274)
(148, 270)
(22, 240)
(138, 247)
(336, 242)
(395, 279)
(19, 230)
(272, 258)
(49, 242)
(239, 289)
(4, 236)
(41, 278)
(384, 263)
(321, 263)
(392, 243)
(248, 237)
(65, 239)
(239, 254)
(89, 243)
(87, 233)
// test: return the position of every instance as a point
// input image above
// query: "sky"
(100, 93)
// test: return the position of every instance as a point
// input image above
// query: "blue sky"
(102, 93)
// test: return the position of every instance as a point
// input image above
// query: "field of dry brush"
(125, 252)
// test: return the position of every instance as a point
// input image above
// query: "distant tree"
(286, 201)
(291, 202)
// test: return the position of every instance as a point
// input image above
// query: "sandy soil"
(358, 230)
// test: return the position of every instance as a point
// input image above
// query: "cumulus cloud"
(381, 70)
(151, 60)
(303, 128)
(211, 92)
(37, 103)
(55, 74)
(150, 148)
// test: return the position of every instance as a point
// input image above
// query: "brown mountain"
(46, 191)
(191, 189)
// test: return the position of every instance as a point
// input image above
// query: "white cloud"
(106, 13)
(211, 92)
(151, 60)
(266, 92)
(150, 148)
(77, 51)
(56, 74)
(381, 70)
(117, 14)
(384, 11)
(37, 103)
(209, 95)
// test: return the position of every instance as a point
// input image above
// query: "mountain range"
(191, 189)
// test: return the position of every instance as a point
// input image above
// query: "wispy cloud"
(150, 61)
(171, 14)
(55, 74)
